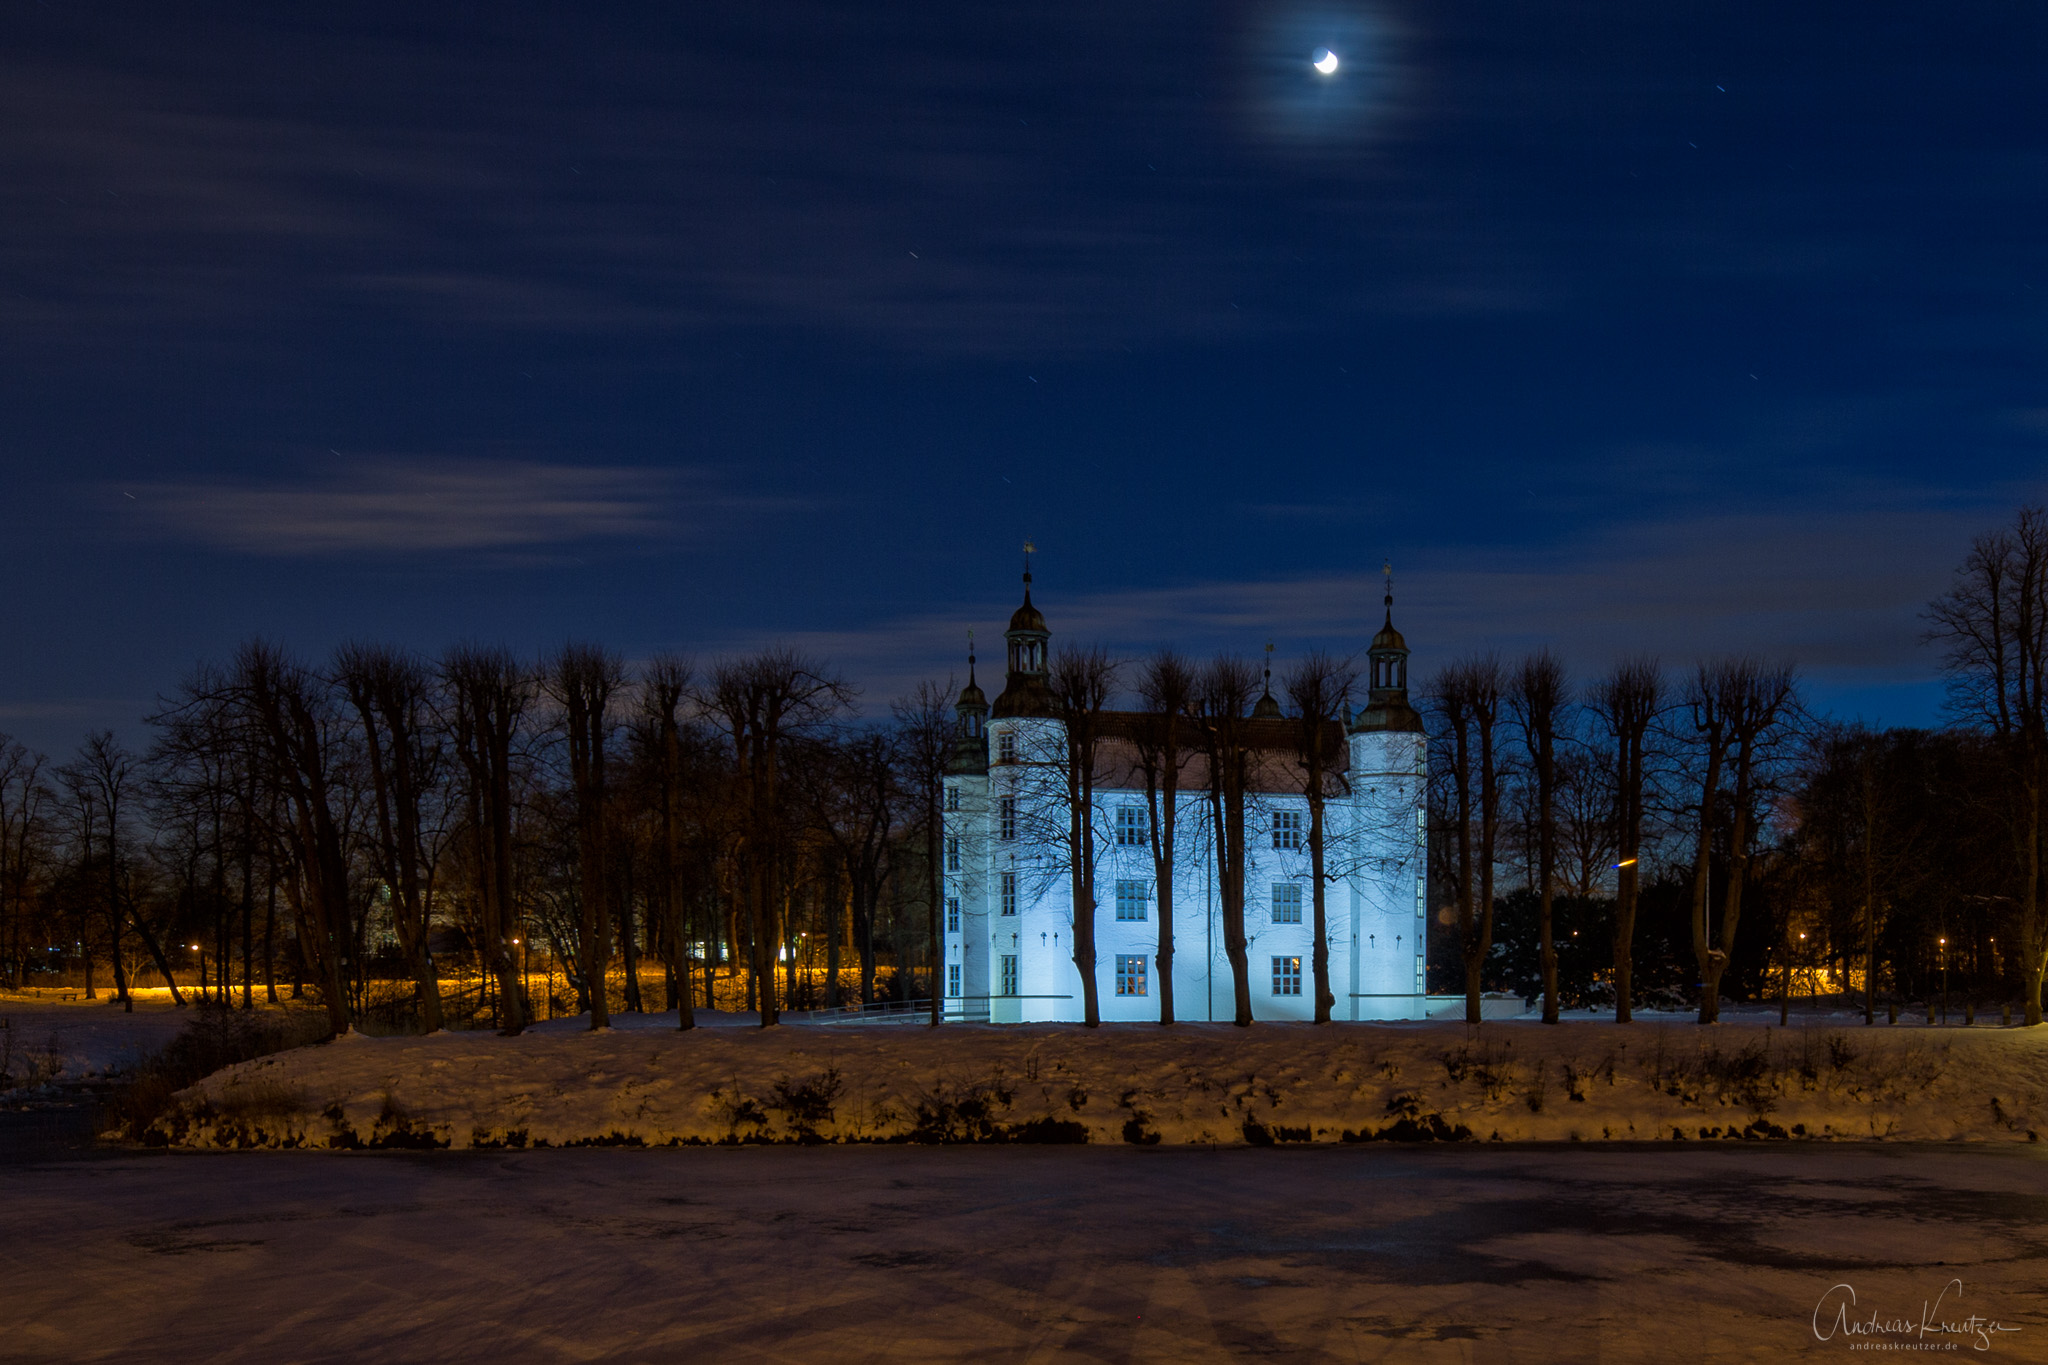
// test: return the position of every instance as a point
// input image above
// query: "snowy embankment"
(1195, 1083)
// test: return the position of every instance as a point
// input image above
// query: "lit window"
(952, 914)
(1130, 826)
(1130, 975)
(953, 979)
(1006, 747)
(952, 798)
(1131, 900)
(1287, 829)
(1009, 974)
(1286, 902)
(1007, 818)
(1009, 893)
(952, 853)
(1287, 976)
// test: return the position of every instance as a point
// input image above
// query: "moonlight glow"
(1327, 63)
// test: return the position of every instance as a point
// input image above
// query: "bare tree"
(1319, 688)
(1163, 736)
(392, 694)
(1539, 700)
(487, 694)
(1082, 682)
(1736, 705)
(763, 702)
(1224, 693)
(664, 684)
(1628, 703)
(1992, 625)
(925, 739)
(1467, 697)
(299, 736)
(25, 804)
(582, 680)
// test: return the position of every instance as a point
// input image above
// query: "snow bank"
(1192, 1084)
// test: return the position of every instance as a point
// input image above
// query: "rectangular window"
(952, 798)
(1130, 975)
(1133, 901)
(1007, 818)
(1009, 974)
(953, 979)
(1130, 826)
(952, 853)
(1009, 893)
(1287, 829)
(1286, 902)
(1006, 747)
(1287, 976)
(952, 914)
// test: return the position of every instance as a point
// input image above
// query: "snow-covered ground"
(1370, 1254)
(644, 1083)
(47, 1037)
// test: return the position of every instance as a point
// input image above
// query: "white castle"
(1009, 916)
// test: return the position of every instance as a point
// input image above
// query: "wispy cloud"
(1839, 597)
(418, 506)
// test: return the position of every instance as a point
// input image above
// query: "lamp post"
(1942, 945)
(1802, 946)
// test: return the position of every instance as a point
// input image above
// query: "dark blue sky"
(1687, 327)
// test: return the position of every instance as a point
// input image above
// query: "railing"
(974, 1009)
(875, 1012)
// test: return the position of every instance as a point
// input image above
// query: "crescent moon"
(1327, 63)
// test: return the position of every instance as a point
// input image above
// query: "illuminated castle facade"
(1008, 912)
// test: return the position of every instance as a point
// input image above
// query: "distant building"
(1008, 913)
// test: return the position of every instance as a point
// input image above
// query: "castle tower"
(1389, 771)
(1024, 689)
(970, 739)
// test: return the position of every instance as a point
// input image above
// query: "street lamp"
(1942, 944)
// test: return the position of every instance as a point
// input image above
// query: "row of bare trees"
(392, 813)
(1194, 735)
(1557, 785)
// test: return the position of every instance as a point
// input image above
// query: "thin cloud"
(392, 507)
(1840, 598)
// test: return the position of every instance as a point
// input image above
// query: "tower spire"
(1388, 569)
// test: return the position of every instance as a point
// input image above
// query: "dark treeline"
(480, 839)
(1680, 836)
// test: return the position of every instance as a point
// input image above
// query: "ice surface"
(1463, 1253)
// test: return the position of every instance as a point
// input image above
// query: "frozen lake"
(1465, 1253)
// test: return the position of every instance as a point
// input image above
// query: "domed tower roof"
(1386, 706)
(1024, 688)
(1027, 617)
(970, 737)
(1266, 708)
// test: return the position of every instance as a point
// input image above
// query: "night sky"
(1617, 326)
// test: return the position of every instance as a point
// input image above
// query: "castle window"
(1009, 974)
(953, 915)
(1009, 893)
(1130, 826)
(1286, 902)
(952, 853)
(1133, 901)
(1007, 821)
(1287, 829)
(953, 979)
(952, 798)
(1130, 974)
(1287, 976)
(1006, 747)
